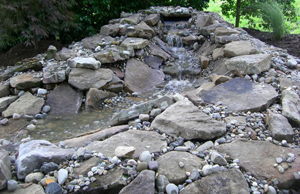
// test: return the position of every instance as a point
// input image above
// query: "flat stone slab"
(169, 165)
(25, 81)
(258, 158)
(237, 48)
(249, 64)
(84, 62)
(291, 106)
(6, 101)
(246, 95)
(26, 104)
(140, 140)
(64, 100)
(226, 181)
(136, 43)
(139, 77)
(85, 79)
(184, 119)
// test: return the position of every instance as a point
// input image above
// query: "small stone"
(115, 160)
(194, 175)
(153, 165)
(124, 151)
(48, 167)
(62, 176)
(171, 189)
(155, 112)
(142, 166)
(34, 177)
(42, 91)
(31, 127)
(16, 116)
(161, 183)
(4, 121)
(272, 190)
(280, 169)
(145, 156)
(144, 117)
(131, 162)
(279, 160)
(46, 109)
(90, 174)
(12, 185)
(284, 142)
(54, 188)
(296, 175)
(207, 170)
(181, 164)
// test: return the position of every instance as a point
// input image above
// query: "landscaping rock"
(25, 81)
(94, 97)
(27, 189)
(136, 43)
(84, 62)
(238, 48)
(141, 30)
(110, 30)
(6, 101)
(290, 106)
(54, 73)
(152, 19)
(5, 173)
(4, 90)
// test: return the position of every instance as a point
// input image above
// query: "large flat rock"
(142, 30)
(227, 181)
(249, 64)
(85, 79)
(169, 165)
(258, 158)
(136, 43)
(33, 153)
(26, 104)
(237, 48)
(64, 100)
(25, 81)
(246, 95)
(141, 140)
(186, 120)
(139, 77)
(6, 101)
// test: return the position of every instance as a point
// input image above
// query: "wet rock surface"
(236, 133)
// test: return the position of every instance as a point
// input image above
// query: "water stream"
(186, 67)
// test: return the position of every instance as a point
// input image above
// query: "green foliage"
(30, 20)
(272, 15)
(229, 10)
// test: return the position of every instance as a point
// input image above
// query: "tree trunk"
(237, 16)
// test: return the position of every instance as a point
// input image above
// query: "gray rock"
(133, 112)
(110, 30)
(254, 153)
(86, 166)
(114, 54)
(158, 52)
(29, 189)
(34, 153)
(226, 39)
(25, 81)
(141, 140)
(26, 104)
(65, 54)
(218, 53)
(153, 165)
(12, 185)
(203, 20)
(154, 62)
(227, 181)
(5, 173)
(136, 43)
(145, 156)
(48, 167)
(132, 19)
(83, 62)
(94, 97)
(139, 77)
(6, 101)
(225, 31)
(64, 100)
(124, 151)
(152, 19)
(184, 119)
(207, 30)
(62, 176)
(279, 127)
(217, 158)
(238, 48)
(161, 183)
(143, 183)
(4, 90)
(169, 165)
(246, 95)
(93, 41)
(53, 73)
(34, 177)
(205, 146)
(53, 188)
(142, 166)
(142, 30)
(171, 189)
(290, 106)
(85, 79)
(249, 64)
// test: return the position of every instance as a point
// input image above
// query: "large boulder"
(26, 104)
(139, 77)
(64, 100)
(238, 48)
(143, 183)
(5, 173)
(249, 64)
(280, 127)
(25, 81)
(85, 79)
(291, 106)
(144, 108)
(259, 157)
(169, 165)
(246, 95)
(226, 181)
(142, 30)
(84, 62)
(34, 153)
(184, 119)
(136, 43)
(140, 140)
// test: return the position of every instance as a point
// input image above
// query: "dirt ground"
(291, 42)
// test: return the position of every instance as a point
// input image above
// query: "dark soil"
(290, 42)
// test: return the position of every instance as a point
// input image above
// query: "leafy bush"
(30, 20)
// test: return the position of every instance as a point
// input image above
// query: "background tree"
(30, 20)
(238, 8)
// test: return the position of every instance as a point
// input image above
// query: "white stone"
(62, 176)
(124, 151)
